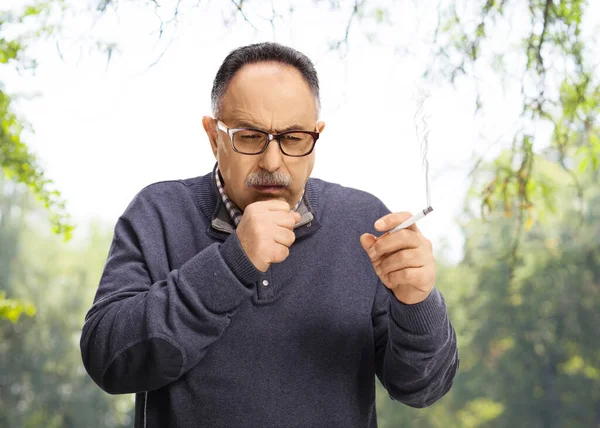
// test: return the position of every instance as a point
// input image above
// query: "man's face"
(271, 97)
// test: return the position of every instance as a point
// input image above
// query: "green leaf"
(595, 143)
(583, 165)
(33, 10)
(380, 15)
(480, 31)
(11, 309)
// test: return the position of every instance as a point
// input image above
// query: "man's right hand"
(266, 232)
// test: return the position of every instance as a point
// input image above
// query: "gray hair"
(262, 52)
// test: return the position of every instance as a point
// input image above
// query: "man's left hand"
(403, 260)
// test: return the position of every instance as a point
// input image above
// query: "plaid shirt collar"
(234, 212)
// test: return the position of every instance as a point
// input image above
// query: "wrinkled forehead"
(272, 95)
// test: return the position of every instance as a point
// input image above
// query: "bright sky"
(104, 133)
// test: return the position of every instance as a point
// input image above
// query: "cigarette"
(409, 222)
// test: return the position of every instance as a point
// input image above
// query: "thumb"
(297, 216)
(367, 240)
(388, 222)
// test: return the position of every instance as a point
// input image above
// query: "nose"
(272, 158)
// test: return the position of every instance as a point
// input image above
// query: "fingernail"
(379, 223)
(377, 270)
(371, 253)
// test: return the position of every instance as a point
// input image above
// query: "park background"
(99, 98)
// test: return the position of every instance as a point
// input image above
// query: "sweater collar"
(212, 206)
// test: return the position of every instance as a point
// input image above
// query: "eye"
(296, 137)
(250, 135)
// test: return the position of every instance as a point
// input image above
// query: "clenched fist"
(266, 232)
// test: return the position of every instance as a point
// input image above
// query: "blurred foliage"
(17, 162)
(42, 380)
(11, 309)
(559, 87)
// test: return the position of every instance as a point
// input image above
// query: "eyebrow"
(244, 124)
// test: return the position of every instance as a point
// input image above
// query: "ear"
(210, 127)
(320, 126)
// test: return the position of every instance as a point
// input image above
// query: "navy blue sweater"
(184, 320)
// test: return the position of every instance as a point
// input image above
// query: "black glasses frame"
(270, 137)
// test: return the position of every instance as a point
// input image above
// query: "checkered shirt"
(234, 211)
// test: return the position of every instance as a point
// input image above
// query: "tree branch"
(241, 12)
(355, 10)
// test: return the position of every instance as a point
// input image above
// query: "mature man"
(254, 296)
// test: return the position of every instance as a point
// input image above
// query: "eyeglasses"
(254, 141)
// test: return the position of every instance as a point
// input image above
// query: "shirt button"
(265, 282)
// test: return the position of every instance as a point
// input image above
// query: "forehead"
(269, 94)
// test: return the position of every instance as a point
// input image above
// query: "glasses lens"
(296, 143)
(249, 141)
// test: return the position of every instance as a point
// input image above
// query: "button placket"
(265, 286)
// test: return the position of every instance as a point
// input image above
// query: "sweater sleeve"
(416, 354)
(142, 334)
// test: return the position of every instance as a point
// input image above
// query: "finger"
(279, 253)
(367, 240)
(297, 217)
(285, 237)
(411, 258)
(423, 252)
(287, 220)
(400, 240)
(276, 205)
(270, 205)
(390, 221)
(417, 277)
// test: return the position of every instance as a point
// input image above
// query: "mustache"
(267, 178)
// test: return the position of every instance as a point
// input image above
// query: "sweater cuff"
(236, 259)
(219, 289)
(423, 317)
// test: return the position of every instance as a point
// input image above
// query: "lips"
(269, 189)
